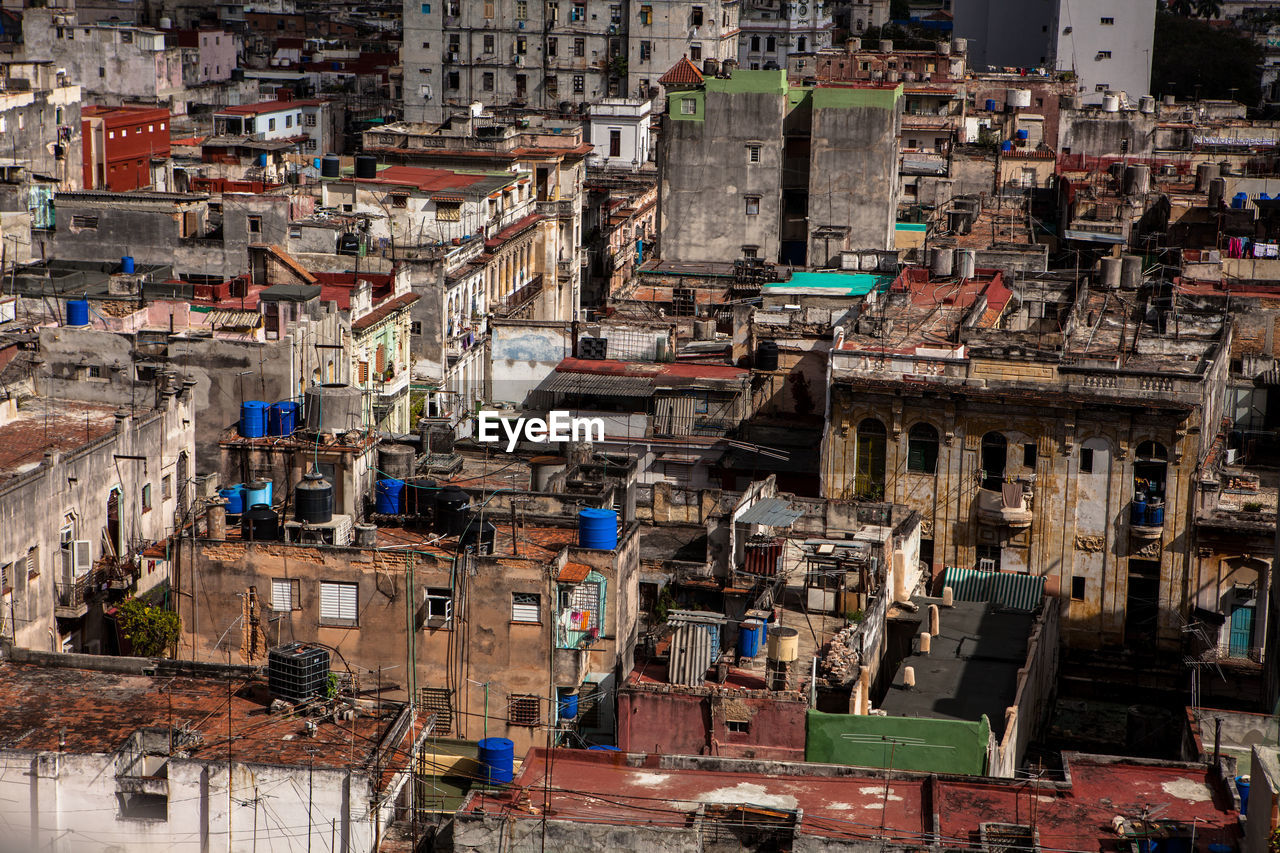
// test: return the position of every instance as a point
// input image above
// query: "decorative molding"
(1091, 544)
(926, 528)
(1152, 550)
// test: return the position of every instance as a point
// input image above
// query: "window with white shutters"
(286, 594)
(339, 603)
(526, 607)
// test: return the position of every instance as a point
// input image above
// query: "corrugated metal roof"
(771, 512)
(595, 383)
(239, 319)
(1017, 592)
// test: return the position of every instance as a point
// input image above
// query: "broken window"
(922, 449)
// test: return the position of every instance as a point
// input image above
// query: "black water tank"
(366, 167)
(348, 244)
(451, 511)
(260, 524)
(481, 535)
(297, 671)
(313, 498)
(330, 166)
(420, 497)
(767, 355)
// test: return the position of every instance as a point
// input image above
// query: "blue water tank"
(750, 633)
(1238, 201)
(1022, 135)
(568, 706)
(991, 105)
(1242, 785)
(257, 492)
(387, 496)
(603, 747)
(77, 312)
(497, 756)
(253, 418)
(315, 162)
(598, 528)
(1155, 512)
(1006, 146)
(234, 498)
(282, 418)
(262, 159)
(1138, 510)
(126, 265)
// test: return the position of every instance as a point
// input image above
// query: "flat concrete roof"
(972, 667)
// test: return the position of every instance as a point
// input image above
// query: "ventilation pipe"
(948, 597)
(216, 520)
(935, 623)
(926, 642)
(864, 690)
(899, 577)
(909, 677)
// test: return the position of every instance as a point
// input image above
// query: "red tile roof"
(383, 311)
(427, 180)
(265, 107)
(683, 73)
(511, 230)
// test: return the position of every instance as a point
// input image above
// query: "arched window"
(869, 465)
(922, 449)
(995, 455)
(1149, 468)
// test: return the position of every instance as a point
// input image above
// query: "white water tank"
(1017, 98)
(1111, 103)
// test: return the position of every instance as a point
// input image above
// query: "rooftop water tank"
(260, 524)
(366, 167)
(481, 535)
(389, 496)
(77, 312)
(767, 355)
(313, 499)
(253, 418)
(395, 461)
(333, 407)
(330, 166)
(126, 265)
(234, 497)
(282, 418)
(297, 672)
(598, 528)
(497, 760)
(452, 506)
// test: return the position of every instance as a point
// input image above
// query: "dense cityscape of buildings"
(926, 357)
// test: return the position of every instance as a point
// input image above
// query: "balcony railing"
(518, 299)
(73, 597)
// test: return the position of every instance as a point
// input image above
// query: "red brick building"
(120, 144)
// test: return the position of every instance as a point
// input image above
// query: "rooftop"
(857, 804)
(42, 425)
(441, 180)
(57, 708)
(265, 107)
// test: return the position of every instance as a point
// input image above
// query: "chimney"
(899, 577)
(926, 642)
(948, 597)
(935, 626)
(216, 521)
(864, 690)
(909, 677)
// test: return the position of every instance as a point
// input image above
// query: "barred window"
(524, 711)
(448, 211)
(438, 701)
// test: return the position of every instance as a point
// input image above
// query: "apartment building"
(770, 31)
(661, 33)
(125, 148)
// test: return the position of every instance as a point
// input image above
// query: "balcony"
(1008, 507)
(73, 597)
(518, 300)
(396, 385)
(1146, 518)
(561, 208)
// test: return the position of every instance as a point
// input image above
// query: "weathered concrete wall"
(705, 177)
(480, 834)
(522, 353)
(669, 719)
(1097, 134)
(1037, 682)
(853, 169)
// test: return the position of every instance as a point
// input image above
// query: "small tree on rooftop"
(151, 630)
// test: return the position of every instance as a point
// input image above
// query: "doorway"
(1142, 605)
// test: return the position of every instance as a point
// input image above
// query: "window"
(438, 608)
(488, 43)
(752, 205)
(6, 577)
(922, 449)
(579, 84)
(770, 44)
(146, 498)
(399, 200)
(339, 603)
(522, 10)
(646, 14)
(415, 327)
(448, 211)
(1077, 588)
(615, 14)
(741, 727)
(869, 460)
(695, 52)
(33, 563)
(452, 80)
(271, 124)
(486, 81)
(1029, 455)
(166, 487)
(695, 16)
(579, 47)
(1086, 460)
(750, 251)
(578, 12)
(526, 607)
(755, 42)
(753, 153)
(1107, 22)
(688, 106)
(995, 450)
(438, 701)
(1103, 54)
(82, 221)
(488, 8)
(552, 47)
(522, 45)
(615, 143)
(524, 711)
(286, 594)
(102, 72)
(255, 224)
(988, 558)
(288, 121)
(646, 51)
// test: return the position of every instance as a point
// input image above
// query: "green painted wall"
(742, 82)
(898, 743)
(674, 100)
(840, 97)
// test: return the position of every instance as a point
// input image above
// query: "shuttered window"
(364, 371)
(380, 359)
(339, 603)
(438, 701)
(286, 594)
(526, 607)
